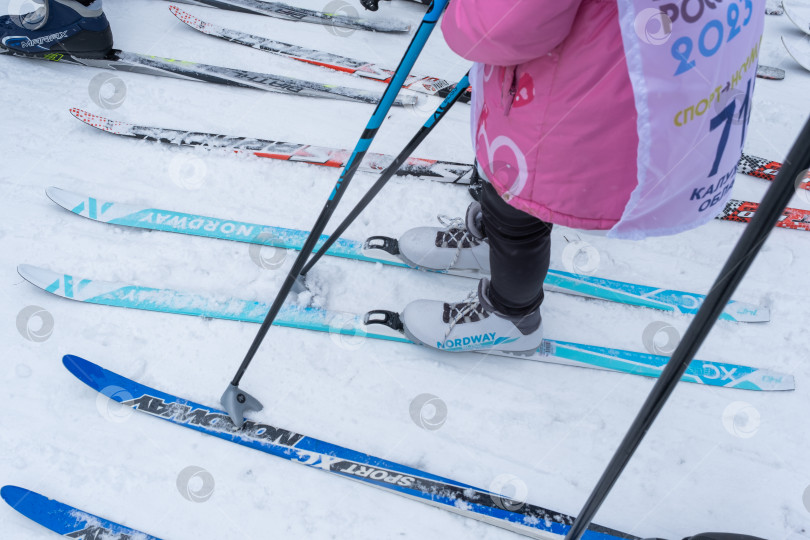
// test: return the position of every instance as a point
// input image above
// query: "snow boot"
(471, 325)
(460, 244)
(57, 26)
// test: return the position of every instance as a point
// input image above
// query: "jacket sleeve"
(507, 32)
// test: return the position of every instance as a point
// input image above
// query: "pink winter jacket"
(555, 126)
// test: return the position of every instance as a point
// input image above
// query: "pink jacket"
(555, 119)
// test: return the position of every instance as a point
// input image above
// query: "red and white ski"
(430, 169)
(743, 212)
(766, 169)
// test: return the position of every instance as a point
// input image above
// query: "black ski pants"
(520, 250)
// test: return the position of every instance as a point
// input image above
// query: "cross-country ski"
(193, 71)
(357, 68)
(293, 13)
(432, 169)
(463, 499)
(374, 251)
(487, 264)
(127, 295)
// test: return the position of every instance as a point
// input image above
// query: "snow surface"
(554, 428)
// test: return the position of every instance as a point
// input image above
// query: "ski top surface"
(358, 68)
(463, 499)
(82, 289)
(293, 13)
(193, 71)
(799, 50)
(145, 217)
(432, 169)
(66, 520)
(799, 17)
(743, 211)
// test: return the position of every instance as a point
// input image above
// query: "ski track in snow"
(552, 427)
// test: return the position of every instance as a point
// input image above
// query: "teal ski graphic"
(556, 352)
(557, 280)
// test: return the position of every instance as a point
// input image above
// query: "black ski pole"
(237, 401)
(773, 205)
(391, 170)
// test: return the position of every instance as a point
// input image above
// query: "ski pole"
(391, 170)
(234, 400)
(773, 204)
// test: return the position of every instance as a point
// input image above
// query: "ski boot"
(57, 27)
(471, 325)
(461, 244)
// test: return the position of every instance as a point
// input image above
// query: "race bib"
(692, 65)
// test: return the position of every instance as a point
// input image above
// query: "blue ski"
(66, 520)
(463, 499)
(144, 217)
(551, 351)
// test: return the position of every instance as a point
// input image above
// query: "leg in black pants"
(520, 250)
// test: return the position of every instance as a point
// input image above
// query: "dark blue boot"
(59, 26)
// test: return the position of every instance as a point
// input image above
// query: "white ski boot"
(471, 325)
(459, 245)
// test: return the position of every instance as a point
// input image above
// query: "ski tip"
(16, 496)
(23, 500)
(103, 381)
(13, 494)
(27, 272)
(99, 122)
(82, 369)
(36, 275)
(86, 117)
(54, 193)
(188, 18)
(62, 197)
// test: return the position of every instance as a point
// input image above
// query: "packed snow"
(716, 459)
